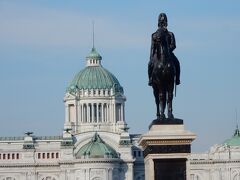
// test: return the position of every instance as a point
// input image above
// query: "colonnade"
(100, 112)
(89, 114)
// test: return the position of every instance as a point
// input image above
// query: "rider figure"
(162, 26)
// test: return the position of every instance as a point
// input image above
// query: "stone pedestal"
(166, 147)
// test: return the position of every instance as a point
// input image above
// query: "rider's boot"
(170, 115)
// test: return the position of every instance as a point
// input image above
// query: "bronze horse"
(163, 73)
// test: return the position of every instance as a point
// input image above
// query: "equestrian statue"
(163, 68)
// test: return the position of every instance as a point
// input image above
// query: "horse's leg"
(156, 95)
(162, 95)
(170, 98)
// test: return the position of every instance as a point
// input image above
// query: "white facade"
(53, 158)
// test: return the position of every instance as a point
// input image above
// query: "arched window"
(236, 177)
(195, 177)
(8, 178)
(97, 178)
(49, 178)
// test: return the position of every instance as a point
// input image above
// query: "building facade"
(221, 162)
(96, 144)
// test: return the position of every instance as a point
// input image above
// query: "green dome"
(94, 76)
(96, 148)
(235, 140)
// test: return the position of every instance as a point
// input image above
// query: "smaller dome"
(235, 140)
(96, 148)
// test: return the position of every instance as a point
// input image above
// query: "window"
(194, 177)
(39, 155)
(134, 153)
(52, 155)
(139, 153)
(236, 177)
(17, 156)
(13, 156)
(48, 155)
(8, 178)
(48, 178)
(4, 156)
(57, 155)
(43, 155)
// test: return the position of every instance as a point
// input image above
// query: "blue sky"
(43, 44)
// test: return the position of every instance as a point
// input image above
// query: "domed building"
(95, 144)
(94, 99)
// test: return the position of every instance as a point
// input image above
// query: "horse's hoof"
(162, 117)
(170, 116)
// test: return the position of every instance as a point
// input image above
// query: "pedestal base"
(166, 147)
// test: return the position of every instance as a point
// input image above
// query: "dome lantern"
(94, 58)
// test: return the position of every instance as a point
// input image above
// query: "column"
(97, 106)
(88, 112)
(130, 171)
(110, 174)
(149, 169)
(188, 169)
(102, 106)
(76, 116)
(108, 112)
(81, 113)
(105, 112)
(92, 119)
(121, 112)
(66, 113)
(114, 113)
